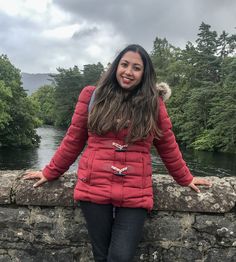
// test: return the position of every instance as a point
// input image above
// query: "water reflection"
(17, 158)
(200, 163)
(211, 163)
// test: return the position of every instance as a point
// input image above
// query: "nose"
(129, 70)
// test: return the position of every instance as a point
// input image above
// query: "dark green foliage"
(68, 85)
(44, 101)
(17, 114)
(165, 60)
(92, 73)
(5, 96)
(203, 81)
(202, 106)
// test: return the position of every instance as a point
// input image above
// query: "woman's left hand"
(199, 181)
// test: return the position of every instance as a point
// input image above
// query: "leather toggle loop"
(119, 171)
(120, 148)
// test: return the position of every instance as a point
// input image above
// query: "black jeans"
(114, 232)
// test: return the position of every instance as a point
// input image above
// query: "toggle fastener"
(120, 148)
(119, 171)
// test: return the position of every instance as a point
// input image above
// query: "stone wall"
(43, 224)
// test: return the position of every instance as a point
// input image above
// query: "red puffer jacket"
(110, 171)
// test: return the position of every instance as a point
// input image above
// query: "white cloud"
(41, 35)
(61, 31)
(26, 8)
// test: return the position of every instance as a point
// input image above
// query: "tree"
(202, 106)
(68, 85)
(223, 110)
(5, 95)
(44, 100)
(208, 63)
(165, 58)
(92, 73)
(17, 114)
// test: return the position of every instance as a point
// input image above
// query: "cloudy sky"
(39, 36)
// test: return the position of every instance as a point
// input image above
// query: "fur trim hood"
(164, 90)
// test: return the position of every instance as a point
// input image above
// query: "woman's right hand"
(35, 175)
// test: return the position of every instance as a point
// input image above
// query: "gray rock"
(5, 258)
(219, 255)
(44, 224)
(7, 180)
(172, 197)
(182, 255)
(56, 193)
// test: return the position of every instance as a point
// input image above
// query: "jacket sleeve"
(169, 151)
(74, 140)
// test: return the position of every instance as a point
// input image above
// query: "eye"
(137, 68)
(123, 64)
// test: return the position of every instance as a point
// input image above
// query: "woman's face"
(130, 70)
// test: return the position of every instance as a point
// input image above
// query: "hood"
(163, 90)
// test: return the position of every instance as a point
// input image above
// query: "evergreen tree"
(202, 106)
(68, 85)
(92, 73)
(165, 58)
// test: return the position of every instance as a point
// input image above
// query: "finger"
(39, 182)
(31, 172)
(31, 176)
(202, 181)
(28, 171)
(195, 188)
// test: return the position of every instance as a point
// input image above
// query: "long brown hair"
(115, 109)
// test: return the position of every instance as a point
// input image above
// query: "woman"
(119, 121)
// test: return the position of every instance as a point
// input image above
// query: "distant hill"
(31, 82)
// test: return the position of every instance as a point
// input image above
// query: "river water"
(200, 163)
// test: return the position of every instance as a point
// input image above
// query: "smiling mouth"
(127, 80)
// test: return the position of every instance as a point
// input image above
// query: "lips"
(126, 80)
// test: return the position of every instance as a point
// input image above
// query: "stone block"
(14, 217)
(219, 255)
(182, 254)
(5, 258)
(169, 196)
(7, 179)
(44, 224)
(162, 227)
(223, 228)
(55, 193)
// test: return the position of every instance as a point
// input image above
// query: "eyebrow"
(137, 64)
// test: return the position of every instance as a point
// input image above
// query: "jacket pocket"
(86, 167)
(147, 173)
(90, 160)
(90, 170)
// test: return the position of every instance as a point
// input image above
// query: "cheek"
(117, 75)
(118, 71)
(139, 77)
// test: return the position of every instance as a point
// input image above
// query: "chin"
(128, 88)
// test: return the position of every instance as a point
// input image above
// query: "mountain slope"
(31, 82)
